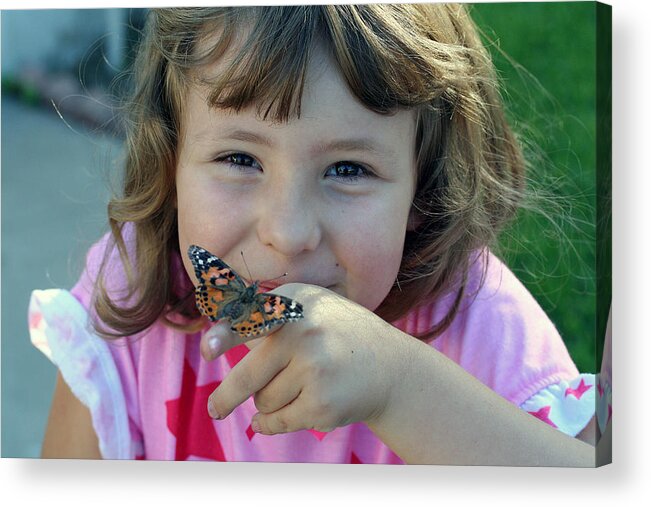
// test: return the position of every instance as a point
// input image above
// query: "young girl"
(363, 151)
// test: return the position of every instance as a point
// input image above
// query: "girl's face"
(325, 198)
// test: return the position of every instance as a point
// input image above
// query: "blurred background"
(61, 147)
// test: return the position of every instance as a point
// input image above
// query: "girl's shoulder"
(500, 334)
(492, 287)
(110, 279)
(492, 292)
(497, 302)
(105, 254)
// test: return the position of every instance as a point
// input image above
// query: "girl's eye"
(348, 171)
(239, 161)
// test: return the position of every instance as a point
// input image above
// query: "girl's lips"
(269, 287)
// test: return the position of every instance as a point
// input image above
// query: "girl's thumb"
(220, 338)
(217, 340)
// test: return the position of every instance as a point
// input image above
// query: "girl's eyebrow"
(354, 144)
(248, 136)
(347, 144)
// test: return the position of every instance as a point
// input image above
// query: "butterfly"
(222, 294)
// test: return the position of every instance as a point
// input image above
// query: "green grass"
(549, 80)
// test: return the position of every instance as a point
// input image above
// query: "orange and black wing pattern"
(269, 311)
(222, 294)
(218, 285)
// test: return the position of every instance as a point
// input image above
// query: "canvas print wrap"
(324, 225)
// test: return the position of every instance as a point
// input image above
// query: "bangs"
(264, 59)
(265, 52)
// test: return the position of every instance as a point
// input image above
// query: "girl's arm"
(343, 364)
(469, 423)
(69, 432)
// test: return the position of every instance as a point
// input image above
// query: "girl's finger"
(283, 389)
(221, 338)
(288, 419)
(247, 377)
(217, 340)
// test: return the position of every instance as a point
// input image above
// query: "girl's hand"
(343, 364)
(336, 366)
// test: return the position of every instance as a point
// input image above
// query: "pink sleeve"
(101, 373)
(59, 328)
(567, 405)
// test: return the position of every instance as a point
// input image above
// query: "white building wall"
(59, 39)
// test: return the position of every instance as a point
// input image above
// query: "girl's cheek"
(373, 262)
(209, 214)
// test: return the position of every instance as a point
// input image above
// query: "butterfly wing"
(272, 310)
(218, 284)
(221, 293)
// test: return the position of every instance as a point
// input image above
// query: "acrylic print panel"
(65, 139)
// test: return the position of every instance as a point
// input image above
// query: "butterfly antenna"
(247, 266)
(281, 276)
(251, 276)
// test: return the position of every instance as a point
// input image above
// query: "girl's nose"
(288, 222)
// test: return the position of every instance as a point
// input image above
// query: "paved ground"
(54, 194)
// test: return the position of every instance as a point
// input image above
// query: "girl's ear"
(414, 220)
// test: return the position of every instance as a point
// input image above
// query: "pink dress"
(148, 394)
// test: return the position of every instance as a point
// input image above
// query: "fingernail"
(214, 344)
(255, 426)
(211, 410)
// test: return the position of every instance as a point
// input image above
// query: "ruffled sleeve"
(59, 327)
(567, 405)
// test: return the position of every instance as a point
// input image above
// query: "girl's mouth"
(268, 287)
(271, 286)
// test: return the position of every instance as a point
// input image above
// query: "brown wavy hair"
(427, 57)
